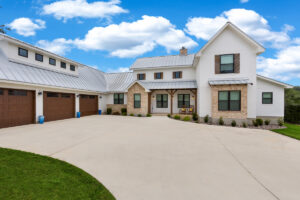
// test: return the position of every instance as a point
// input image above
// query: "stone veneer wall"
(116, 107)
(242, 114)
(137, 89)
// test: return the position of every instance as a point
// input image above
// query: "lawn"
(30, 176)
(292, 130)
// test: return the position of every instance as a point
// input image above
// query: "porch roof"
(229, 81)
(151, 85)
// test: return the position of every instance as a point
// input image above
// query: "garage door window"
(17, 93)
(52, 94)
(1, 92)
(92, 97)
(65, 96)
(84, 96)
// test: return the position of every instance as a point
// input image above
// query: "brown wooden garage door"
(58, 106)
(88, 105)
(17, 107)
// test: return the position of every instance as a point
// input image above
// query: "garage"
(58, 106)
(88, 105)
(17, 107)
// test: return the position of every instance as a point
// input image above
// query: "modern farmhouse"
(220, 80)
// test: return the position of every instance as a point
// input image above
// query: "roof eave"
(285, 85)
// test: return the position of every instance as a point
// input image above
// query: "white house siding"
(229, 42)
(270, 110)
(188, 73)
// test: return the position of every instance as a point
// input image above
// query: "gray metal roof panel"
(118, 82)
(239, 81)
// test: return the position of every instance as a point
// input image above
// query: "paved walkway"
(162, 159)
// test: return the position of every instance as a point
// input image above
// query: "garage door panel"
(88, 105)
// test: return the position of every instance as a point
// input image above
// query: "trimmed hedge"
(292, 113)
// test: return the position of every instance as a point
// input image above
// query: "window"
(158, 75)
(1, 92)
(23, 52)
(229, 101)
(63, 65)
(92, 97)
(177, 75)
(161, 101)
(267, 98)
(72, 67)
(141, 76)
(118, 98)
(84, 96)
(183, 100)
(65, 95)
(17, 92)
(52, 61)
(52, 94)
(227, 65)
(137, 100)
(38, 57)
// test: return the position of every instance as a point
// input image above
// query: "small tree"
(4, 28)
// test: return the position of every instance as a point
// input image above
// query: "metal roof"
(149, 85)
(240, 81)
(163, 61)
(118, 82)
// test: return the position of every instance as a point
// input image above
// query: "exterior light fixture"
(40, 93)
(78, 95)
(100, 97)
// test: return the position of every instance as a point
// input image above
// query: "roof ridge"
(166, 56)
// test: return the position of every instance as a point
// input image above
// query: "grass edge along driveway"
(26, 175)
(291, 130)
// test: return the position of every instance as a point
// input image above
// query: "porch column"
(171, 93)
(195, 93)
(149, 102)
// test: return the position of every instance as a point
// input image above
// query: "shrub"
(206, 119)
(254, 122)
(131, 114)
(124, 114)
(149, 115)
(169, 115)
(267, 122)
(139, 115)
(177, 117)
(280, 122)
(195, 117)
(259, 122)
(245, 124)
(116, 113)
(124, 110)
(233, 123)
(221, 121)
(186, 118)
(108, 111)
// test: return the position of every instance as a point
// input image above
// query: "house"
(220, 80)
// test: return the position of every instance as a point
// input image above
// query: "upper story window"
(177, 74)
(227, 63)
(267, 98)
(141, 76)
(118, 98)
(63, 65)
(23, 52)
(39, 57)
(229, 101)
(158, 75)
(72, 67)
(52, 61)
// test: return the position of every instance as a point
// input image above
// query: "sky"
(111, 34)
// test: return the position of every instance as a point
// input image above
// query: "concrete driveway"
(162, 159)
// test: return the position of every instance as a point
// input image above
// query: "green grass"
(292, 131)
(30, 176)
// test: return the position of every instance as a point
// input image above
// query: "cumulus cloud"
(68, 9)
(26, 27)
(59, 46)
(249, 21)
(132, 39)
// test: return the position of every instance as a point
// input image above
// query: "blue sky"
(110, 35)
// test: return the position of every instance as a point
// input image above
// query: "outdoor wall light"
(40, 93)
(100, 97)
(78, 95)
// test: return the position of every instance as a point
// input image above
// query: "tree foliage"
(4, 28)
(292, 105)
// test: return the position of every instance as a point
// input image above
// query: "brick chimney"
(183, 51)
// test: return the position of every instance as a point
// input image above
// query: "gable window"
(39, 57)
(227, 63)
(63, 65)
(183, 100)
(229, 101)
(52, 61)
(158, 75)
(161, 101)
(267, 98)
(72, 68)
(137, 100)
(118, 98)
(23, 52)
(141, 76)
(177, 74)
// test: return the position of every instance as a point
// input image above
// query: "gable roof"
(260, 48)
(163, 61)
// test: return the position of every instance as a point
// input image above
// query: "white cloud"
(27, 27)
(248, 20)
(244, 1)
(68, 9)
(120, 69)
(285, 65)
(59, 46)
